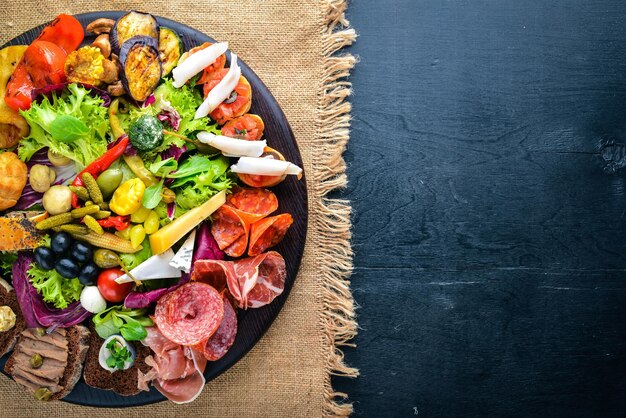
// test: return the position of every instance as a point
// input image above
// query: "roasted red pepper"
(100, 164)
(118, 222)
(44, 61)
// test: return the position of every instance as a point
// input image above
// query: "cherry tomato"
(45, 63)
(64, 31)
(109, 289)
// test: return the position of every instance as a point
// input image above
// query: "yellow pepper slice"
(127, 198)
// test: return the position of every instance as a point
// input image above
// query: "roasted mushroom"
(103, 43)
(100, 26)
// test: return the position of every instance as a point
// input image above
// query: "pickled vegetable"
(140, 216)
(109, 180)
(151, 224)
(58, 199)
(137, 235)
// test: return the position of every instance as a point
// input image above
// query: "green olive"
(109, 180)
(105, 258)
(43, 394)
(36, 361)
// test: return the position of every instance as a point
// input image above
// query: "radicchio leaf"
(36, 312)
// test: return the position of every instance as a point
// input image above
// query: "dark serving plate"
(292, 197)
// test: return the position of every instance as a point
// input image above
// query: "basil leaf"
(67, 128)
(152, 195)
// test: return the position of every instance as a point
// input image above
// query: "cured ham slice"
(232, 147)
(189, 314)
(253, 281)
(268, 232)
(219, 343)
(177, 371)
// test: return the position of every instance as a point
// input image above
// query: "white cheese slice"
(156, 267)
(182, 259)
(233, 147)
(265, 167)
(197, 62)
(222, 91)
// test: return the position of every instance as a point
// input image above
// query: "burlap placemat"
(292, 46)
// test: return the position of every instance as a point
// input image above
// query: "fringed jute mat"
(295, 48)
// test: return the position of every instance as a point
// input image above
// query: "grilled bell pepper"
(127, 198)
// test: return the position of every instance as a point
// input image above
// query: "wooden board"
(291, 194)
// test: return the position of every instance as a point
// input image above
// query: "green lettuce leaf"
(54, 288)
(73, 124)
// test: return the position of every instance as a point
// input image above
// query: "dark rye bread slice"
(77, 338)
(9, 338)
(122, 382)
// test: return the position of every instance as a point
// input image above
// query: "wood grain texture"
(291, 193)
(489, 234)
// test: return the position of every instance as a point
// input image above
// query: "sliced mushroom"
(100, 26)
(116, 89)
(102, 42)
(111, 73)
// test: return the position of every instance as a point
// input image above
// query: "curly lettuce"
(54, 288)
(73, 124)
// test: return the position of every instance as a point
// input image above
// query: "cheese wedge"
(233, 147)
(183, 257)
(155, 267)
(167, 236)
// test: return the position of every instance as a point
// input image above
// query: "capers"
(43, 394)
(36, 361)
(40, 332)
(106, 259)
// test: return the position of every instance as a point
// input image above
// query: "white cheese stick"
(233, 147)
(197, 62)
(156, 267)
(222, 91)
(265, 167)
(182, 259)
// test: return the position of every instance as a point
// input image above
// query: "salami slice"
(190, 313)
(253, 204)
(219, 343)
(268, 232)
(253, 281)
(228, 226)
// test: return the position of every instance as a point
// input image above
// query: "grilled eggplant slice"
(170, 48)
(133, 24)
(141, 66)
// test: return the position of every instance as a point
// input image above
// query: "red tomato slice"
(110, 289)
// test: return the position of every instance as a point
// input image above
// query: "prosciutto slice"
(177, 371)
(253, 281)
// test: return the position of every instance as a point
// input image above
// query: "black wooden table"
(490, 208)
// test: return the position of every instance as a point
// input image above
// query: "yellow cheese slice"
(167, 236)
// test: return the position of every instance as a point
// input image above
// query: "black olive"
(61, 242)
(44, 257)
(88, 273)
(67, 268)
(81, 252)
(232, 97)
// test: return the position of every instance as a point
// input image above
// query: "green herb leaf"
(67, 128)
(152, 196)
(54, 288)
(118, 320)
(162, 168)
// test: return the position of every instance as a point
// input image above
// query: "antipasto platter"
(153, 209)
